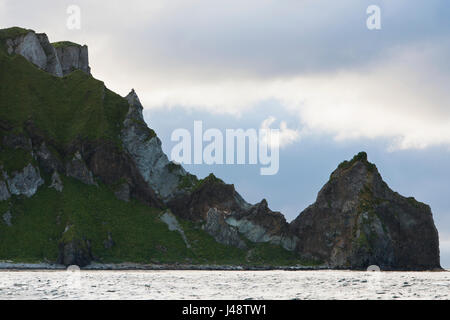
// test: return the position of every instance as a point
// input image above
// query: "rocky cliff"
(83, 178)
(357, 221)
(59, 58)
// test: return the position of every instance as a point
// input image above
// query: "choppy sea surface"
(223, 285)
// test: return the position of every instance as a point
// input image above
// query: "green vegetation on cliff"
(64, 44)
(76, 106)
(10, 33)
(42, 222)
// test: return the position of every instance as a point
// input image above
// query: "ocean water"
(223, 285)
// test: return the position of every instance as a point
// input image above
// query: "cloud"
(403, 98)
(314, 58)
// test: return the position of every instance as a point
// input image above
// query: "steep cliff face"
(225, 214)
(37, 49)
(357, 221)
(59, 59)
(72, 56)
(144, 146)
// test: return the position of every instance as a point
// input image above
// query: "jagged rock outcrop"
(260, 224)
(72, 57)
(59, 59)
(357, 221)
(24, 182)
(48, 161)
(225, 212)
(116, 168)
(221, 231)
(144, 146)
(76, 168)
(37, 49)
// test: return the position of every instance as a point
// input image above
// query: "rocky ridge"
(356, 221)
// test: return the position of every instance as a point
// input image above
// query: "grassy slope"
(64, 108)
(79, 106)
(38, 224)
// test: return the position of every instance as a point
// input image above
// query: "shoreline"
(127, 266)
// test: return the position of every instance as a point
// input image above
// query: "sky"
(309, 67)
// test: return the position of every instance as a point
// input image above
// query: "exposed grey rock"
(173, 225)
(48, 161)
(257, 233)
(221, 231)
(53, 65)
(73, 57)
(7, 218)
(358, 221)
(123, 192)
(25, 182)
(56, 182)
(4, 192)
(76, 168)
(29, 47)
(75, 252)
(225, 212)
(37, 49)
(59, 61)
(260, 224)
(144, 146)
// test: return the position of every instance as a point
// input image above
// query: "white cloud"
(390, 99)
(315, 58)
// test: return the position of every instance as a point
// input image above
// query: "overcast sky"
(338, 87)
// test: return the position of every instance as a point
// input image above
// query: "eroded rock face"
(37, 49)
(48, 160)
(59, 61)
(116, 168)
(73, 57)
(260, 224)
(229, 217)
(144, 146)
(75, 252)
(77, 169)
(221, 231)
(357, 221)
(56, 182)
(25, 182)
